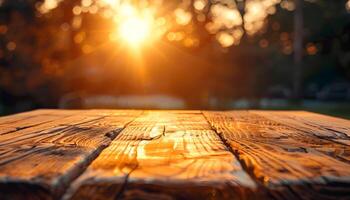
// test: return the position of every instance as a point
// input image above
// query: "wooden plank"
(322, 126)
(40, 162)
(25, 120)
(290, 163)
(323, 140)
(164, 155)
(25, 115)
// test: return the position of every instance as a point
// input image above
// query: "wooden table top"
(135, 154)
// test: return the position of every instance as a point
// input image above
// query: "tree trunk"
(298, 49)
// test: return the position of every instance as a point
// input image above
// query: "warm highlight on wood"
(170, 155)
(127, 154)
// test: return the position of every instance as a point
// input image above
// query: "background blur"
(179, 54)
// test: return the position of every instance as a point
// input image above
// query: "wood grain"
(174, 154)
(25, 120)
(289, 161)
(164, 155)
(322, 126)
(39, 162)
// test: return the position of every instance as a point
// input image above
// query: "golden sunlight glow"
(135, 30)
(137, 22)
(134, 26)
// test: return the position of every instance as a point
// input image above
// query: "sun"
(135, 30)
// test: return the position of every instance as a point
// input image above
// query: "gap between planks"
(241, 161)
(97, 153)
(290, 162)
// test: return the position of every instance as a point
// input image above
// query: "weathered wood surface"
(321, 126)
(125, 154)
(165, 155)
(41, 160)
(288, 159)
(29, 119)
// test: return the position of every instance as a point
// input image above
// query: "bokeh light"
(222, 18)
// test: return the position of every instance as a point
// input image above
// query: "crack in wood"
(124, 185)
